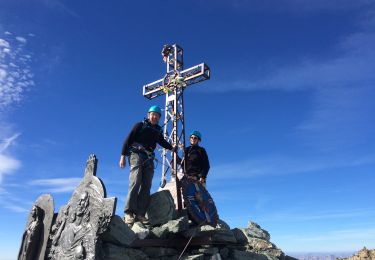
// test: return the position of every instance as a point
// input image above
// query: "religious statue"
(82, 207)
(71, 239)
(76, 228)
(59, 226)
(31, 238)
(72, 230)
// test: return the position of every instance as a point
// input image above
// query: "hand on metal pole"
(122, 162)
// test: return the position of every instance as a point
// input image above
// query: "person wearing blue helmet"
(139, 146)
(196, 160)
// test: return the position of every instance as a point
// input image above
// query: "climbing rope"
(191, 237)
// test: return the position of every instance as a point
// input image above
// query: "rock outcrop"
(86, 228)
(167, 234)
(363, 254)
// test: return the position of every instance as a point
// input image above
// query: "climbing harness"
(142, 152)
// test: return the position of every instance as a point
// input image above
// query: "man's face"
(72, 217)
(82, 199)
(194, 140)
(154, 118)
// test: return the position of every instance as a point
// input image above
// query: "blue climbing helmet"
(197, 134)
(155, 109)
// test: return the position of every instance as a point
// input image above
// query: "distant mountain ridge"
(320, 256)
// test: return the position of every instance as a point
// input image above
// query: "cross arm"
(190, 76)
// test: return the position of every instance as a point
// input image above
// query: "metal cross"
(172, 85)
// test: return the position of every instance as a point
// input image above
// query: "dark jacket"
(196, 161)
(147, 135)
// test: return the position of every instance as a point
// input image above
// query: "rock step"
(179, 242)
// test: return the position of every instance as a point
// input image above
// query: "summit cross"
(172, 85)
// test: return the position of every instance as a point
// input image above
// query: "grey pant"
(140, 180)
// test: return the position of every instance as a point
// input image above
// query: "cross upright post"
(172, 85)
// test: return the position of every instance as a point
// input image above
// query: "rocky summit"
(87, 228)
(363, 254)
(167, 234)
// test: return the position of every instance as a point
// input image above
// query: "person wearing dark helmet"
(196, 160)
(139, 146)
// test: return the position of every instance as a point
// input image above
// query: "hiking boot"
(129, 219)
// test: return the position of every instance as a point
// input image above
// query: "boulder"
(243, 255)
(161, 208)
(224, 253)
(159, 232)
(266, 248)
(195, 257)
(275, 253)
(208, 250)
(140, 230)
(118, 233)
(221, 224)
(171, 228)
(222, 235)
(260, 244)
(113, 252)
(240, 236)
(215, 257)
(254, 230)
(159, 251)
(178, 225)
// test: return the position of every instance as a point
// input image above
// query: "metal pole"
(176, 117)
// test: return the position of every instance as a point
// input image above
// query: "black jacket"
(196, 161)
(147, 135)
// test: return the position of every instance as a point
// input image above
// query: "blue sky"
(286, 118)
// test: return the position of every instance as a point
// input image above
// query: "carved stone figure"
(34, 239)
(82, 207)
(78, 225)
(59, 225)
(31, 238)
(71, 239)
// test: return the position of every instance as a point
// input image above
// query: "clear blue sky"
(287, 117)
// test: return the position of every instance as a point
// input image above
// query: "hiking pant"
(140, 180)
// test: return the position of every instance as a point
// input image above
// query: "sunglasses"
(193, 137)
